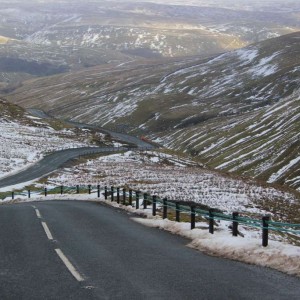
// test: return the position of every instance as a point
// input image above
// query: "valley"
(216, 84)
(236, 111)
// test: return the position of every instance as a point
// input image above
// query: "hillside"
(222, 109)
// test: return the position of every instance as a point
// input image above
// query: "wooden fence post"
(45, 191)
(90, 189)
(193, 217)
(235, 223)
(118, 195)
(137, 200)
(77, 189)
(29, 195)
(177, 210)
(124, 196)
(112, 193)
(12, 195)
(154, 205)
(145, 200)
(265, 231)
(211, 221)
(105, 193)
(165, 208)
(61, 189)
(130, 197)
(98, 191)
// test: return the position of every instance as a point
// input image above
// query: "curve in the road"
(52, 162)
(126, 138)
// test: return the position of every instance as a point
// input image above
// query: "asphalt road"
(115, 258)
(126, 138)
(51, 163)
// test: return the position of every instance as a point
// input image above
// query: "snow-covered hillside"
(181, 179)
(236, 111)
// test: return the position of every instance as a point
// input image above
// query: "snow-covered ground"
(171, 177)
(279, 256)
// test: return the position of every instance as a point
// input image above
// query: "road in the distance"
(51, 163)
(55, 160)
(123, 137)
(117, 258)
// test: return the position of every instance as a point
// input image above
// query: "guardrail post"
(193, 217)
(154, 205)
(177, 209)
(112, 193)
(137, 201)
(90, 189)
(45, 191)
(145, 201)
(265, 232)
(130, 197)
(12, 195)
(235, 223)
(29, 195)
(211, 221)
(165, 208)
(124, 196)
(105, 193)
(77, 189)
(118, 195)
(98, 191)
(61, 189)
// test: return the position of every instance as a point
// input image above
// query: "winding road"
(87, 250)
(126, 138)
(53, 161)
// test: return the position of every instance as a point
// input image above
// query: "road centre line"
(69, 265)
(47, 231)
(61, 255)
(38, 214)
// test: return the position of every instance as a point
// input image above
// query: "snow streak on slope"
(264, 145)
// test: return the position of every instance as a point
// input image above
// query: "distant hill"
(238, 111)
(42, 38)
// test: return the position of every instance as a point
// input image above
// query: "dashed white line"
(38, 214)
(64, 259)
(69, 265)
(48, 233)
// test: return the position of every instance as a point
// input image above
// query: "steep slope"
(195, 104)
(263, 144)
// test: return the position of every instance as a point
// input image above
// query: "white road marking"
(48, 233)
(38, 213)
(69, 266)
